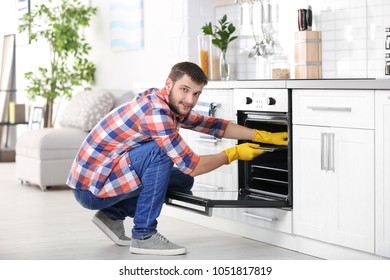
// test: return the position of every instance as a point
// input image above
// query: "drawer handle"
(338, 109)
(216, 188)
(208, 140)
(268, 219)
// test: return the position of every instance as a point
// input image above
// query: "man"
(125, 165)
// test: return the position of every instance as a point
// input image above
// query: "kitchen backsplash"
(353, 37)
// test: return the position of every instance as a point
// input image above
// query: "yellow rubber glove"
(276, 138)
(245, 151)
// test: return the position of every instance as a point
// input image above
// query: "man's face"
(183, 95)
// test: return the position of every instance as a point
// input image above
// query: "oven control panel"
(267, 100)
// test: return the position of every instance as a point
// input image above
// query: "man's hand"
(245, 151)
(276, 138)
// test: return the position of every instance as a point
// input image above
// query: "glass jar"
(204, 45)
(214, 57)
(280, 67)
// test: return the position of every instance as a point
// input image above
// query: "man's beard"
(173, 107)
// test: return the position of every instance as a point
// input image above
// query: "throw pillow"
(86, 109)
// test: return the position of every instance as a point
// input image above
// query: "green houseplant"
(221, 35)
(60, 25)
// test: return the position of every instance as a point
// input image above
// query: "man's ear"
(168, 84)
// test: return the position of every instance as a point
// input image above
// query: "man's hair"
(190, 69)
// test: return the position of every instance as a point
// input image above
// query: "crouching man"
(135, 154)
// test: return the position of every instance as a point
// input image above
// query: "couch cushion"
(86, 109)
(120, 96)
(50, 143)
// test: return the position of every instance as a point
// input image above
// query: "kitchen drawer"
(341, 108)
(221, 179)
(271, 218)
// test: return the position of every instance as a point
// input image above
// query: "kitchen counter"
(313, 84)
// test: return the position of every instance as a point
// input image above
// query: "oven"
(264, 182)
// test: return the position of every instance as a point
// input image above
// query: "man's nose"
(189, 98)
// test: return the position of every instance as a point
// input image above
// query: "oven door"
(264, 182)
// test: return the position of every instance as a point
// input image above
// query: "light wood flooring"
(51, 225)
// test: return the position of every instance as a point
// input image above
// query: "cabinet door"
(333, 171)
(223, 178)
(382, 163)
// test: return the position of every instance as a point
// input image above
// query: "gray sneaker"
(113, 229)
(156, 245)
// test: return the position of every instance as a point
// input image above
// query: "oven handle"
(262, 119)
(267, 120)
(263, 218)
(207, 211)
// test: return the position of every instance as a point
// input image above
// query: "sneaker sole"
(109, 233)
(163, 252)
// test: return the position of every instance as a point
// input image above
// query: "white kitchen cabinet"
(225, 177)
(333, 167)
(382, 172)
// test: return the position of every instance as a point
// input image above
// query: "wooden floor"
(51, 225)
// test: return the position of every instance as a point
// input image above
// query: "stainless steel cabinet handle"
(263, 218)
(331, 152)
(324, 108)
(204, 186)
(207, 140)
(327, 151)
(324, 151)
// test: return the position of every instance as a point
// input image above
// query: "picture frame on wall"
(126, 25)
(22, 8)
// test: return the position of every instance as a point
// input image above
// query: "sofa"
(44, 156)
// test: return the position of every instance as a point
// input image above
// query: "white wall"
(171, 27)
(165, 36)
(169, 35)
(353, 35)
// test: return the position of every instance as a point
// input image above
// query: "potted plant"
(60, 25)
(221, 38)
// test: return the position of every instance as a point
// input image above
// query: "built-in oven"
(265, 181)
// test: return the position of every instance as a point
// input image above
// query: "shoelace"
(161, 237)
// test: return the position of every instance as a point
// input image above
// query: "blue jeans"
(157, 174)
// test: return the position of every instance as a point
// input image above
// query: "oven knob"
(271, 101)
(248, 100)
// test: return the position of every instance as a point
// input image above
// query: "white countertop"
(314, 84)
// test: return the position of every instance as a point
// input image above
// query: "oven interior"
(269, 175)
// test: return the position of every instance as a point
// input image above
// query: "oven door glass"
(264, 182)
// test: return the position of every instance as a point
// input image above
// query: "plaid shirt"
(103, 165)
